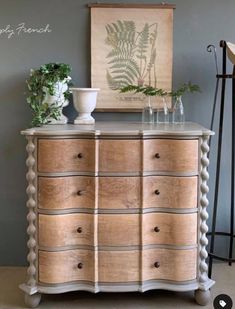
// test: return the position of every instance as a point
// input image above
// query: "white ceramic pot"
(84, 100)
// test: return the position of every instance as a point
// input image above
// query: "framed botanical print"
(130, 44)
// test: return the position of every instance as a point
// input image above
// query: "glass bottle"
(178, 111)
(147, 112)
(163, 113)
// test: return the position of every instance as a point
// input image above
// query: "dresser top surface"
(120, 128)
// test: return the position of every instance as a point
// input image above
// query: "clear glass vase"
(147, 112)
(178, 111)
(163, 113)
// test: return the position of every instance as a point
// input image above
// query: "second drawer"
(117, 229)
(117, 192)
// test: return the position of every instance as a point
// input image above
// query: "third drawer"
(57, 231)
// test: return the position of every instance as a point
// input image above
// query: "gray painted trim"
(116, 248)
(206, 285)
(117, 137)
(167, 173)
(120, 129)
(204, 281)
(118, 211)
(32, 216)
(114, 287)
(108, 174)
(28, 289)
(36, 208)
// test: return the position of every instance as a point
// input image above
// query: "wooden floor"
(11, 297)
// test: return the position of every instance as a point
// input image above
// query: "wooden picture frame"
(130, 44)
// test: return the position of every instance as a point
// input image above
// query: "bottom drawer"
(117, 266)
(66, 266)
(168, 264)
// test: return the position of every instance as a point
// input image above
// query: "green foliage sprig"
(151, 91)
(146, 90)
(189, 87)
(45, 78)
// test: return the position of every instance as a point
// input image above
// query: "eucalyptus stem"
(153, 91)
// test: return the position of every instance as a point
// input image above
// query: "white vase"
(84, 100)
(57, 99)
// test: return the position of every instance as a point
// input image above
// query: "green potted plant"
(48, 92)
(178, 109)
(148, 91)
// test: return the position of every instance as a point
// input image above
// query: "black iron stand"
(224, 76)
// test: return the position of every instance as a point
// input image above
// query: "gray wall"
(196, 24)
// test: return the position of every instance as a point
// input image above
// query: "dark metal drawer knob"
(157, 192)
(81, 192)
(157, 155)
(156, 264)
(80, 265)
(79, 229)
(156, 229)
(80, 155)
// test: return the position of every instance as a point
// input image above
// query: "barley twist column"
(202, 295)
(31, 217)
(203, 268)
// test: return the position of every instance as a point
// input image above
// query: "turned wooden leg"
(202, 297)
(32, 301)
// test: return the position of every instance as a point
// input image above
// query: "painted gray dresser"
(117, 207)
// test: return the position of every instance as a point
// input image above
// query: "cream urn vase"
(84, 100)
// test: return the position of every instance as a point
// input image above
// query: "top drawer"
(66, 155)
(167, 155)
(117, 156)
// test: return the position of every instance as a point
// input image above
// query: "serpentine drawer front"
(66, 192)
(117, 207)
(124, 192)
(118, 229)
(170, 155)
(66, 266)
(66, 230)
(68, 155)
(117, 266)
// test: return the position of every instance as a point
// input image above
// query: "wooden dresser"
(117, 207)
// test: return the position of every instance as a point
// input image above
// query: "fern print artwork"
(128, 61)
(130, 46)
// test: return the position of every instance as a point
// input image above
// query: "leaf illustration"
(128, 60)
(152, 59)
(115, 83)
(129, 25)
(143, 41)
(109, 29)
(111, 82)
(153, 35)
(114, 53)
(123, 69)
(123, 78)
(121, 25)
(127, 72)
(153, 55)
